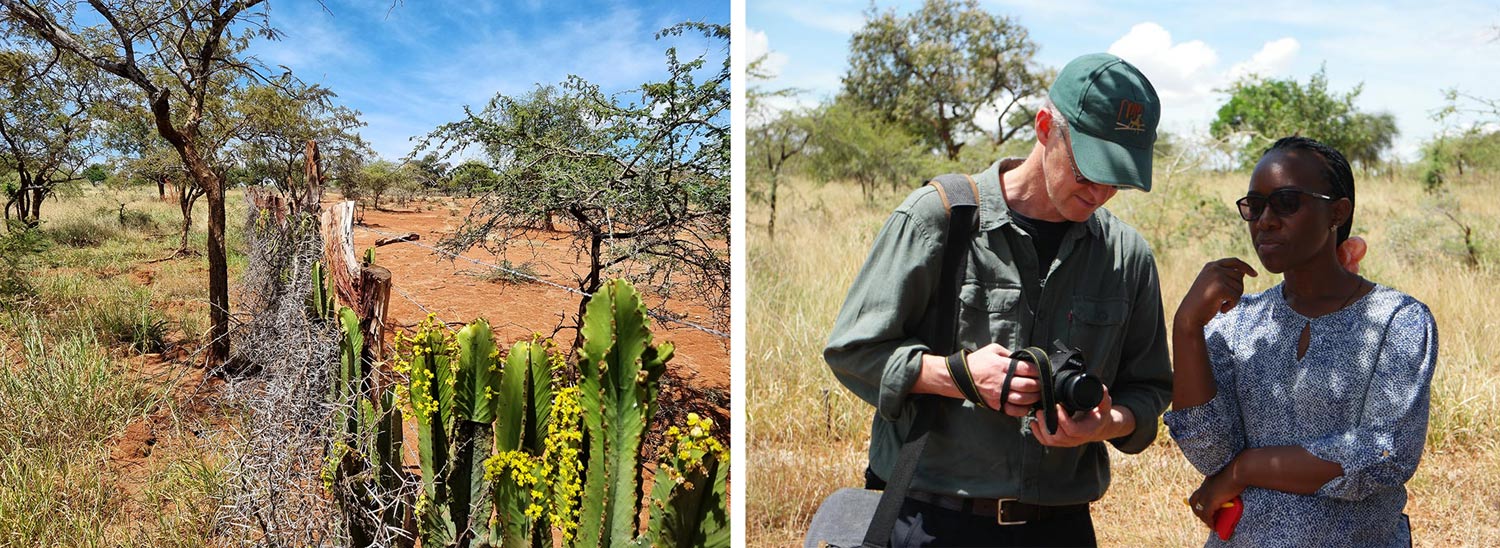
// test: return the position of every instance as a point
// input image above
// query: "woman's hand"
(1351, 252)
(1217, 289)
(1215, 491)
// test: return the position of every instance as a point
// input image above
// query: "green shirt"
(1101, 295)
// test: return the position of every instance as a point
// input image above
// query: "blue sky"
(1405, 53)
(410, 67)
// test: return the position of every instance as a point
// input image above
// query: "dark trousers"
(923, 524)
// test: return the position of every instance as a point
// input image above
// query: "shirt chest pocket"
(1097, 325)
(989, 315)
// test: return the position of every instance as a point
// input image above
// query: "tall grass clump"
(63, 399)
(130, 319)
(81, 231)
(64, 392)
(19, 250)
(806, 433)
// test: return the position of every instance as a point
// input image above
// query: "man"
(1046, 263)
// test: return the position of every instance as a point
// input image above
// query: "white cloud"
(1187, 74)
(1182, 71)
(757, 45)
(831, 19)
(1272, 59)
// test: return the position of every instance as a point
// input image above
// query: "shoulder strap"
(960, 197)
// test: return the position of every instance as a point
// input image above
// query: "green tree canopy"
(642, 178)
(934, 71)
(471, 176)
(1468, 142)
(851, 143)
(274, 122)
(47, 122)
(1261, 111)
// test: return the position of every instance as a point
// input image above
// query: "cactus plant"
(350, 378)
(620, 372)
(431, 396)
(525, 403)
(455, 396)
(688, 503)
(371, 436)
(476, 385)
(539, 480)
(320, 300)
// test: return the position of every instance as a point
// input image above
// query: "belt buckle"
(1000, 513)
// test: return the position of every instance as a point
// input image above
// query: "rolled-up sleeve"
(1382, 450)
(1212, 434)
(1143, 382)
(873, 348)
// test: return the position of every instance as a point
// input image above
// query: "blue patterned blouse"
(1358, 397)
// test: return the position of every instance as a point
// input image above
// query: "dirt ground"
(457, 291)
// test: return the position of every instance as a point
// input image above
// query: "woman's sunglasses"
(1284, 202)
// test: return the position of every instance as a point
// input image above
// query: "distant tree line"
(952, 87)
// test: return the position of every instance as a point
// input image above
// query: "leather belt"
(1005, 511)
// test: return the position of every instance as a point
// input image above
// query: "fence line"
(407, 296)
(519, 274)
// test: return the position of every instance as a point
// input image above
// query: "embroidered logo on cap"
(1128, 118)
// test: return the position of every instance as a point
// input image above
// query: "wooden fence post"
(338, 253)
(364, 288)
(312, 177)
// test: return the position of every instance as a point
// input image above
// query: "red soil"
(456, 292)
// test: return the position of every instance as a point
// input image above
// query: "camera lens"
(1078, 391)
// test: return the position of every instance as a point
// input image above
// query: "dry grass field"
(806, 435)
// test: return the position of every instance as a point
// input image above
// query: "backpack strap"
(960, 197)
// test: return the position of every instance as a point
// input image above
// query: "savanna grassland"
(109, 429)
(806, 435)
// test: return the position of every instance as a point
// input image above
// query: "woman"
(1308, 400)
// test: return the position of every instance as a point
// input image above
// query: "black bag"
(852, 518)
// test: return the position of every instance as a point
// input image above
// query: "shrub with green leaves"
(81, 231)
(18, 257)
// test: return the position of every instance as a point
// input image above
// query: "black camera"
(1065, 380)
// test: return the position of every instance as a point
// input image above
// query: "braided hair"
(1335, 170)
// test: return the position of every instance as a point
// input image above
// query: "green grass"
(806, 435)
(65, 392)
(81, 302)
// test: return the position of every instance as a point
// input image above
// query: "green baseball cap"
(1112, 112)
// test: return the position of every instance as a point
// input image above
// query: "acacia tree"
(46, 124)
(774, 139)
(642, 179)
(933, 71)
(470, 176)
(1259, 111)
(274, 124)
(177, 54)
(852, 143)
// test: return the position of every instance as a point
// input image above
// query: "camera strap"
(1043, 363)
(960, 197)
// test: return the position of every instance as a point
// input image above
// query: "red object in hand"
(1227, 517)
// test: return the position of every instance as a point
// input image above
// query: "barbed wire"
(429, 312)
(519, 274)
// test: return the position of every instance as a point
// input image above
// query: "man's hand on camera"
(988, 366)
(1101, 423)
